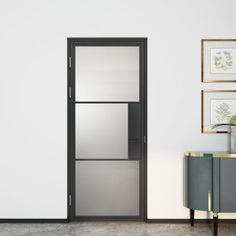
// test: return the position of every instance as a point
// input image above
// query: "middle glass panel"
(101, 131)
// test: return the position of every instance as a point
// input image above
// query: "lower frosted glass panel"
(107, 188)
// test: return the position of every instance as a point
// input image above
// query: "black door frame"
(71, 44)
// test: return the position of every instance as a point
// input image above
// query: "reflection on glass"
(107, 73)
(102, 131)
(107, 188)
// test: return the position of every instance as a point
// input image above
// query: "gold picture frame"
(212, 101)
(218, 60)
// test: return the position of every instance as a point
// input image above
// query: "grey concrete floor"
(113, 229)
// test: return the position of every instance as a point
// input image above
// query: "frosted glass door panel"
(107, 73)
(107, 188)
(101, 131)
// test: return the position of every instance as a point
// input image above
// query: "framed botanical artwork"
(217, 108)
(218, 60)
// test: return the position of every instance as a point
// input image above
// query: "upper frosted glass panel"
(107, 73)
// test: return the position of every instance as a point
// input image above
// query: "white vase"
(233, 139)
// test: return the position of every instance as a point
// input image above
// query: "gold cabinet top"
(212, 154)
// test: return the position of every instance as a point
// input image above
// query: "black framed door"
(107, 128)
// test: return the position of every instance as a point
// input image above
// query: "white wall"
(33, 158)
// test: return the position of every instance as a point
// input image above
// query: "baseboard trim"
(34, 220)
(187, 221)
(107, 218)
(159, 221)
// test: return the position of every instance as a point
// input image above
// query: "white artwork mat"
(222, 110)
(223, 60)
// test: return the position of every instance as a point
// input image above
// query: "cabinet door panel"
(199, 183)
(228, 185)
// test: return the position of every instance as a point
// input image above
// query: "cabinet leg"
(215, 224)
(192, 217)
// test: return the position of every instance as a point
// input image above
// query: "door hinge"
(70, 200)
(144, 139)
(69, 62)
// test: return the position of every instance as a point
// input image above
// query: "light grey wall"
(33, 159)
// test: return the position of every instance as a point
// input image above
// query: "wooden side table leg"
(192, 217)
(215, 224)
